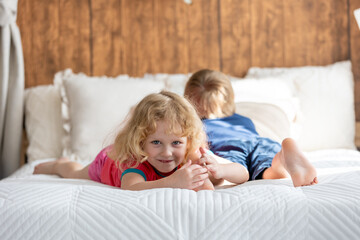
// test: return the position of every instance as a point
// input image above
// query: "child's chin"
(166, 169)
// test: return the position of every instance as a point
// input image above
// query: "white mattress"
(48, 207)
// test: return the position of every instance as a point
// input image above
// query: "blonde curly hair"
(211, 93)
(164, 106)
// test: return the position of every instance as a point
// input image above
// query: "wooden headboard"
(112, 37)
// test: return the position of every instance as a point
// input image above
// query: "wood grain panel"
(203, 27)
(74, 36)
(111, 37)
(267, 19)
(41, 40)
(340, 31)
(315, 32)
(357, 135)
(23, 19)
(299, 33)
(55, 35)
(107, 42)
(331, 25)
(235, 37)
(355, 53)
(171, 37)
(138, 22)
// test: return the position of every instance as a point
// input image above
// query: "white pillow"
(43, 122)
(173, 82)
(94, 108)
(271, 91)
(270, 121)
(326, 95)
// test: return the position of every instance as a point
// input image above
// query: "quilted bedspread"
(48, 207)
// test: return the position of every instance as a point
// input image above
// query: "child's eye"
(156, 142)
(177, 142)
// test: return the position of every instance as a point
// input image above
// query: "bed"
(314, 105)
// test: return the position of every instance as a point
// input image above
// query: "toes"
(315, 180)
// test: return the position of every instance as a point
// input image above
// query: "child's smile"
(166, 161)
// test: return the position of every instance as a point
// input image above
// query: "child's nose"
(167, 151)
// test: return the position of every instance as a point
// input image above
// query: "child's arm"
(187, 177)
(232, 172)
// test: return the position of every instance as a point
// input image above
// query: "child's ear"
(142, 145)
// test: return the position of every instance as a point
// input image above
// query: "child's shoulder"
(238, 116)
(103, 153)
(233, 118)
(237, 119)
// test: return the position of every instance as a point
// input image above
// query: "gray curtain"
(11, 89)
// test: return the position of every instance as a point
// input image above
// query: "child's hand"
(195, 157)
(211, 163)
(189, 176)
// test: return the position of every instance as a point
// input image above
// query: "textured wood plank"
(355, 53)
(235, 37)
(55, 35)
(315, 32)
(300, 33)
(23, 18)
(331, 25)
(340, 30)
(45, 45)
(357, 135)
(135, 37)
(41, 59)
(267, 19)
(107, 43)
(203, 27)
(74, 36)
(171, 37)
(139, 36)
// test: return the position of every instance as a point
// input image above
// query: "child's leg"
(64, 168)
(290, 161)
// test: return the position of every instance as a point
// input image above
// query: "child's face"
(165, 151)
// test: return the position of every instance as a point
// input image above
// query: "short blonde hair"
(170, 107)
(211, 92)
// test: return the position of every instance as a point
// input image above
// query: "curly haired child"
(155, 149)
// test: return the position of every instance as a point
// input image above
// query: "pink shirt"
(103, 169)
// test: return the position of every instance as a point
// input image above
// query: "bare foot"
(291, 162)
(302, 172)
(48, 167)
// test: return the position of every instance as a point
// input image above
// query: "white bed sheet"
(48, 207)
